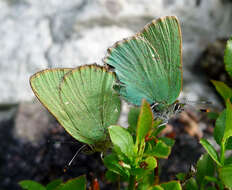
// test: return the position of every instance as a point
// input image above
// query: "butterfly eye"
(177, 107)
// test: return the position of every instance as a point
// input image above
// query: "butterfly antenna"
(76, 154)
(162, 124)
(60, 142)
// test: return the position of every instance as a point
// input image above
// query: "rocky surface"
(39, 34)
(32, 122)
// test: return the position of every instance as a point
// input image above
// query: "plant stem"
(131, 183)
(156, 171)
(222, 157)
(118, 183)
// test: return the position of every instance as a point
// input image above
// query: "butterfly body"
(167, 112)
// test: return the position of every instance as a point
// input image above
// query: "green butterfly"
(149, 65)
(81, 99)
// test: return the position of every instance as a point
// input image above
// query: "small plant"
(136, 151)
(213, 170)
(85, 103)
(73, 184)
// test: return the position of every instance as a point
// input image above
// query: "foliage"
(134, 157)
(135, 151)
(73, 184)
(213, 170)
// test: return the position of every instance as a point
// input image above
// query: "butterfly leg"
(153, 105)
(162, 124)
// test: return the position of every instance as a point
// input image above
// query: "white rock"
(89, 48)
(23, 46)
(55, 6)
(38, 34)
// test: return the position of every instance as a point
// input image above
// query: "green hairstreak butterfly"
(82, 100)
(149, 65)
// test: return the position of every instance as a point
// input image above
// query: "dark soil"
(184, 155)
(46, 161)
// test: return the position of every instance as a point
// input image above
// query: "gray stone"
(24, 42)
(32, 122)
(90, 47)
(39, 34)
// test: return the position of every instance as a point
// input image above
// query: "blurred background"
(36, 35)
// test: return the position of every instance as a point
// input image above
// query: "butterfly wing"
(89, 101)
(45, 85)
(142, 67)
(138, 68)
(164, 35)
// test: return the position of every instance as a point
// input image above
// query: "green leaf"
(181, 176)
(225, 173)
(158, 130)
(139, 172)
(220, 129)
(211, 179)
(211, 188)
(145, 122)
(151, 163)
(223, 89)
(112, 163)
(172, 185)
(122, 140)
(74, 184)
(205, 167)
(31, 185)
(228, 56)
(133, 119)
(211, 151)
(214, 180)
(160, 150)
(111, 176)
(212, 115)
(229, 143)
(53, 184)
(168, 141)
(145, 180)
(157, 187)
(191, 184)
(228, 128)
(228, 160)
